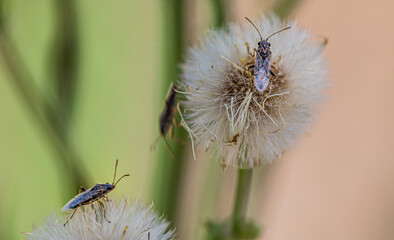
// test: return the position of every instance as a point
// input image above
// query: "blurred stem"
(219, 10)
(36, 104)
(237, 226)
(284, 7)
(167, 183)
(168, 173)
(65, 62)
(241, 200)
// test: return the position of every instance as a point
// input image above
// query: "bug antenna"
(277, 32)
(116, 166)
(255, 27)
(126, 175)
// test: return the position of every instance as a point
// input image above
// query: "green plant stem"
(36, 104)
(167, 183)
(219, 10)
(241, 199)
(65, 62)
(284, 7)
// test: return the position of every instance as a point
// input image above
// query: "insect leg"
(172, 136)
(102, 204)
(177, 124)
(169, 148)
(81, 189)
(174, 120)
(171, 130)
(249, 65)
(154, 144)
(248, 49)
(72, 215)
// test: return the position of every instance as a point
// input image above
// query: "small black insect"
(168, 114)
(262, 62)
(91, 195)
(167, 118)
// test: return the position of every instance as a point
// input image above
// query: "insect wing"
(261, 80)
(81, 198)
(267, 65)
(169, 111)
(261, 77)
(258, 63)
(75, 201)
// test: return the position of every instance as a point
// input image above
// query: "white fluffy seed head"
(129, 220)
(226, 114)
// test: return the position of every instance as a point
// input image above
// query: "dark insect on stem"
(262, 62)
(167, 119)
(92, 195)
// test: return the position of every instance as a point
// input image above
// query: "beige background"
(338, 183)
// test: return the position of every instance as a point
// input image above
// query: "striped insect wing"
(92, 194)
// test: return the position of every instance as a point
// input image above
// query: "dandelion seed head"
(129, 220)
(224, 111)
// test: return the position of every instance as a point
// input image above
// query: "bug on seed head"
(227, 116)
(262, 62)
(91, 195)
(167, 118)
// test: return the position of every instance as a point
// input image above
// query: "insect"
(91, 195)
(262, 62)
(167, 118)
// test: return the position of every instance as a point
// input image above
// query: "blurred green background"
(118, 97)
(116, 105)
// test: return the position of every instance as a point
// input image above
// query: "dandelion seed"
(128, 221)
(222, 103)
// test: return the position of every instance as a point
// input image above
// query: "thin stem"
(167, 183)
(36, 104)
(219, 10)
(241, 199)
(65, 61)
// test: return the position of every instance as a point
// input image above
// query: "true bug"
(167, 118)
(262, 62)
(91, 195)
